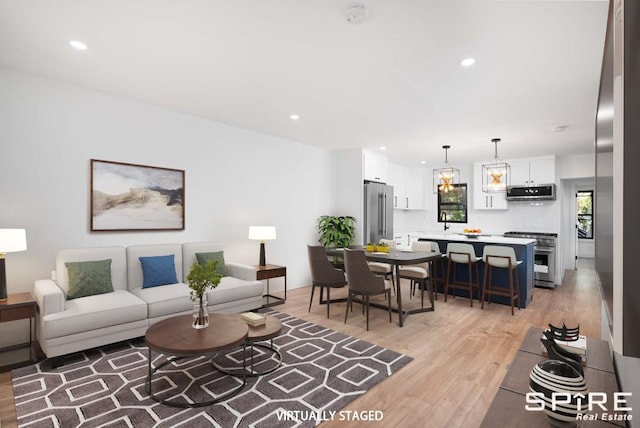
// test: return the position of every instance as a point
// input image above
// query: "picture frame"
(131, 197)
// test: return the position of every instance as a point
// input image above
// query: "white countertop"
(489, 239)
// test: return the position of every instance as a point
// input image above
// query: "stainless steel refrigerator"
(378, 212)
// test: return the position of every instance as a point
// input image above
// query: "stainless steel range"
(544, 252)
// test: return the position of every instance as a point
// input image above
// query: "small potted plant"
(336, 231)
(370, 247)
(383, 247)
(200, 279)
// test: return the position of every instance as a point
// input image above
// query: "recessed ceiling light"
(467, 62)
(294, 117)
(423, 162)
(383, 148)
(78, 45)
(559, 128)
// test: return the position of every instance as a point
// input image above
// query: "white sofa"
(66, 326)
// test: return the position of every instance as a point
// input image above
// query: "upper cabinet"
(408, 187)
(375, 167)
(485, 200)
(533, 171)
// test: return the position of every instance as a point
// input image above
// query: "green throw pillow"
(89, 278)
(218, 255)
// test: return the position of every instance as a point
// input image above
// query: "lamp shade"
(262, 233)
(12, 240)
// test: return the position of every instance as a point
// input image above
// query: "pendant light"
(444, 178)
(496, 175)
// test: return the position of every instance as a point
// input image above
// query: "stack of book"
(576, 346)
(253, 318)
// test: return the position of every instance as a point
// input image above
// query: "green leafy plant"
(382, 244)
(203, 277)
(336, 231)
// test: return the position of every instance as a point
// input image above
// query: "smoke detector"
(357, 14)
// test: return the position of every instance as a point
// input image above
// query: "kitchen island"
(524, 252)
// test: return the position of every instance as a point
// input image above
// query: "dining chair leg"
(313, 288)
(349, 303)
(328, 300)
(389, 303)
(366, 299)
(470, 284)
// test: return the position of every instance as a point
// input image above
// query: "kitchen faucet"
(443, 217)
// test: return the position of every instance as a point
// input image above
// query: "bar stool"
(466, 255)
(384, 269)
(501, 257)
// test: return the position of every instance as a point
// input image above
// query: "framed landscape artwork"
(136, 197)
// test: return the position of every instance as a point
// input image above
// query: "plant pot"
(370, 248)
(383, 249)
(200, 313)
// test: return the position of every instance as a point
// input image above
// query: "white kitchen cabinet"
(408, 187)
(526, 172)
(375, 166)
(485, 200)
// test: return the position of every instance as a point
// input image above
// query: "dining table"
(398, 258)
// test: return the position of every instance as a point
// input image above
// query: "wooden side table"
(18, 307)
(267, 272)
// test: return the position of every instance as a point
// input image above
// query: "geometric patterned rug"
(322, 370)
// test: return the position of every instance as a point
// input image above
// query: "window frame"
(589, 216)
(465, 204)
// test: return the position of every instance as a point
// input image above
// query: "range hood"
(538, 192)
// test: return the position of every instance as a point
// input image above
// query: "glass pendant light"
(444, 178)
(496, 175)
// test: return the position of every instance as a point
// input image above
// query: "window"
(585, 214)
(453, 205)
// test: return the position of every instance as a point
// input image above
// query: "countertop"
(489, 239)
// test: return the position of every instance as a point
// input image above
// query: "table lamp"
(11, 241)
(262, 233)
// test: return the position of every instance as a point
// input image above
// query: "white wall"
(234, 177)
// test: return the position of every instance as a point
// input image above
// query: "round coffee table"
(176, 337)
(267, 331)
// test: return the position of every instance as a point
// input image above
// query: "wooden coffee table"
(176, 337)
(267, 331)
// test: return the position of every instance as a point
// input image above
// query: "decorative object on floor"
(322, 370)
(125, 196)
(552, 376)
(201, 278)
(262, 233)
(11, 241)
(444, 178)
(496, 174)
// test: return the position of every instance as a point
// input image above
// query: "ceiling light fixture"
(446, 177)
(423, 162)
(467, 62)
(294, 117)
(496, 175)
(78, 45)
(559, 128)
(357, 14)
(383, 148)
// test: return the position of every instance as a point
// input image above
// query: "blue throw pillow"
(159, 270)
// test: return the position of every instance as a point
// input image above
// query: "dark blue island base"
(524, 252)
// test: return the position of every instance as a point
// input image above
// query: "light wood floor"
(460, 353)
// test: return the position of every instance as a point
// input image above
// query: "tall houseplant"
(336, 231)
(200, 279)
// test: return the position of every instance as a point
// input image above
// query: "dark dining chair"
(323, 275)
(363, 282)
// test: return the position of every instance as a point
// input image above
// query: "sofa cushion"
(167, 300)
(217, 255)
(158, 270)
(190, 249)
(231, 289)
(94, 312)
(134, 267)
(89, 278)
(117, 255)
